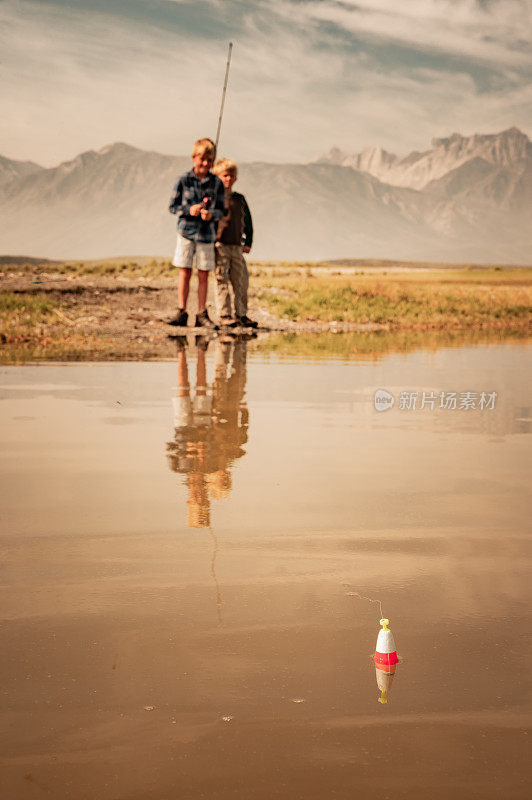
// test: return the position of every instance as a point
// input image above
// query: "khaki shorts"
(186, 249)
(188, 413)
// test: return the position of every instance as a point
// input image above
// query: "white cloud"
(75, 80)
(80, 85)
(462, 27)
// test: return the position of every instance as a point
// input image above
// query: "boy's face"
(202, 164)
(227, 178)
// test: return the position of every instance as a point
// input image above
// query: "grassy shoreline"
(115, 309)
(398, 301)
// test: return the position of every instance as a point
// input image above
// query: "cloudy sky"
(305, 75)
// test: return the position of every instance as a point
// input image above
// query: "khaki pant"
(231, 267)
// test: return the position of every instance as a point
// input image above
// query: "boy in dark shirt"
(234, 237)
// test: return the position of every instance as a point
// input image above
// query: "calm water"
(189, 555)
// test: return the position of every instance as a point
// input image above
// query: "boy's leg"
(183, 287)
(182, 374)
(202, 400)
(204, 265)
(203, 279)
(184, 254)
(183, 258)
(182, 403)
(239, 277)
(223, 294)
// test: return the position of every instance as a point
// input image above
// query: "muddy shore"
(56, 316)
(118, 317)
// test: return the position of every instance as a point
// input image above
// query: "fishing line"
(364, 597)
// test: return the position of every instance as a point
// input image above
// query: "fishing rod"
(223, 95)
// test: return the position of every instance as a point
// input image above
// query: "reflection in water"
(384, 675)
(210, 431)
(214, 576)
(372, 346)
(385, 659)
(210, 428)
(422, 515)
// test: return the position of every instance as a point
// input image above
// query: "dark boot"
(246, 322)
(180, 320)
(203, 321)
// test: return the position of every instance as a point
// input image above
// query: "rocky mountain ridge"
(111, 202)
(417, 170)
(10, 170)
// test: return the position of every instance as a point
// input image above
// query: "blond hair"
(225, 165)
(204, 147)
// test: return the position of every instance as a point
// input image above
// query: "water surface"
(183, 546)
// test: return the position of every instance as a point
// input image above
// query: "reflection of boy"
(229, 410)
(198, 201)
(190, 449)
(209, 431)
(234, 237)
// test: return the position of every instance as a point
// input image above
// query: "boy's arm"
(248, 225)
(218, 206)
(176, 198)
(176, 201)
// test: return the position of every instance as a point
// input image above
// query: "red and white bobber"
(385, 659)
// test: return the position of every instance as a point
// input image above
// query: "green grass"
(150, 267)
(29, 306)
(23, 314)
(424, 297)
(398, 301)
(147, 267)
(25, 317)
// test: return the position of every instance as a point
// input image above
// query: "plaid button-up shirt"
(190, 190)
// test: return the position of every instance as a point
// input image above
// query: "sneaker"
(203, 321)
(246, 322)
(180, 320)
(228, 322)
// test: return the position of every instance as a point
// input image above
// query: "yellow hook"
(385, 623)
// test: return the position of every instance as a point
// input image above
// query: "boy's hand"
(246, 249)
(196, 210)
(205, 214)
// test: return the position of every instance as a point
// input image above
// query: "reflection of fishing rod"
(213, 573)
(223, 95)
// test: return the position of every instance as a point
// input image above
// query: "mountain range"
(468, 198)
(417, 170)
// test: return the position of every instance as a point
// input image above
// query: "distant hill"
(466, 199)
(10, 170)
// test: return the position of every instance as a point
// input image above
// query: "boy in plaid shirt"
(198, 201)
